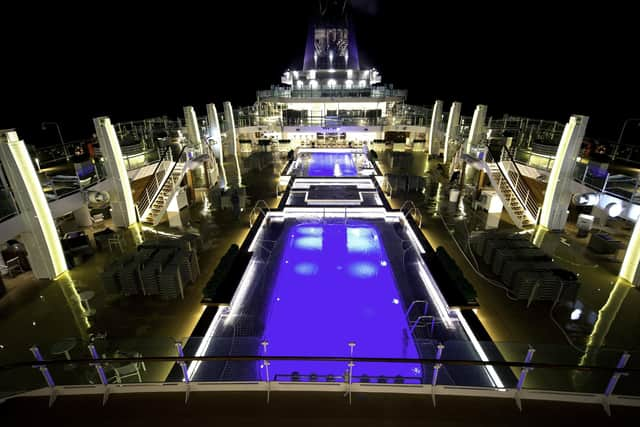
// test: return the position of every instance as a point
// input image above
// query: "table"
(85, 296)
(63, 347)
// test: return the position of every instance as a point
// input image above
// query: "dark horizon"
(132, 64)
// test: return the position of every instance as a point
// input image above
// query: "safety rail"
(151, 189)
(100, 384)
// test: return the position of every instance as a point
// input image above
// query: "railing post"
(436, 368)
(351, 345)
(100, 370)
(265, 344)
(613, 381)
(606, 180)
(45, 373)
(185, 371)
(523, 376)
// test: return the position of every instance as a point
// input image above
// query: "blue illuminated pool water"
(334, 286)
(332, 164)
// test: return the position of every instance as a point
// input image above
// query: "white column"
(452, 129)
(41, 238)
(435, 131)
(193, 130)
(477, 127)
(232, 145)
(629, 270)
(557, 196)
(123, 210)
(216, 142)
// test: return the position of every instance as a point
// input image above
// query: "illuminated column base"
(453, 124)
(41, 239)
(629, 270)
(494, 212)
(123, 210)
(546, 240)
(435, 131)
(553, 214)
(173, 213)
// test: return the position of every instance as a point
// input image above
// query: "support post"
(193, 130)
(100, 371)
(232, 145)
(351, 345)
(523, 375)
(553, 214)
(265, 344)
(436, 368)
(435, 130)
(613, 381)
(630, 270)
(477, 127)
(123, 209)
(185, 371)
(45, 373)
(453, 124)
(40, 235)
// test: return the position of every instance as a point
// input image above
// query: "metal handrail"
(257, 209)
(413, 303)
(413, 210)
(407, 203)
(263, 203)
(453, 362)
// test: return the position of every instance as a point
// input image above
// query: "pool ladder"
(423, 317)
(257, 210)
(412, 210)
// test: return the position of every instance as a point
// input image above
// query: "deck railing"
(554, 373)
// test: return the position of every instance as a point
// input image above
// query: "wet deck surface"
(43, 312)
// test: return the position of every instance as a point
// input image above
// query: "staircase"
(166, 190)
(511, 203)
(517, 198)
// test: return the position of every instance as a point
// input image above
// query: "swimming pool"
(331, 164)
(320, 279)
(335, 286)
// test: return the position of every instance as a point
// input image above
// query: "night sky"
(72, 63)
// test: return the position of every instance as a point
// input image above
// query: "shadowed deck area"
(308, 409)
